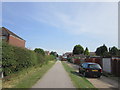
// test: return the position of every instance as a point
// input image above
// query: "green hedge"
(15, 59)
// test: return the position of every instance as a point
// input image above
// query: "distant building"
(79, 56)
(10, 37)
(92, 54)
(47, 53)
(68, 54)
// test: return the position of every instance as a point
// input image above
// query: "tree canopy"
(39, 50)
(86, 52)
(101, 51)
(78, 49)
(54, 54)
(114, 51)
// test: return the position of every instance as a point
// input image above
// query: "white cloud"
(94, 22)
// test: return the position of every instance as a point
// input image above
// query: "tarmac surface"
(56, 77)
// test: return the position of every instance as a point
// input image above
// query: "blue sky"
(59, 26)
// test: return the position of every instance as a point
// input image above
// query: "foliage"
(86, 52)
(39, 50)
(114, 51)
(54, 54)
(14, 59)
(38, 72)
(26, 78)
(118, 52)
(101, 51)
(49, 57)
(78, 49)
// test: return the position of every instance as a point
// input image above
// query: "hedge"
(14, 59)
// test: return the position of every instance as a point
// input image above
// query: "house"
(68, 54)
(92, 54)
(10, 37)
(47, 53)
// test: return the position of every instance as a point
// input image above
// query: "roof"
(80, 55)
(11, 33)
(92, 53)
(68, 53)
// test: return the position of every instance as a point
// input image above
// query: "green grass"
(28, 77)
(78, 81)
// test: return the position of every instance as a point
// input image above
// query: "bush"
(14, 59)
(49, 57)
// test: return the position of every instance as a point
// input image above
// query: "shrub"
(14, 59)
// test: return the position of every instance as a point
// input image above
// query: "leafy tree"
(119, 52)
(86, 52)
(54, 53)
(98, 51)
(114, 51)
(104, 50)
(40, 51)
(107, 54)
(78, 49)
(101, 51)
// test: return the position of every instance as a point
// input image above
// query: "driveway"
(102, 82)
(56, 77)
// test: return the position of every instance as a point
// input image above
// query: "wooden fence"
(115, 67)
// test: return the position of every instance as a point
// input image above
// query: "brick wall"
(16, 41)
(94, 60)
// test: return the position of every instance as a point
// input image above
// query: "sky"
(59, 26)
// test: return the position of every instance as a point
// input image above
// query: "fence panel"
(119, 68)
(106, 64)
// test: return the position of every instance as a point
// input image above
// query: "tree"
(54, 54)
(78, 49)
(39, 50)
(119, 52)
(114, 51)
(86, 52)
(98, 51)
(102, 50)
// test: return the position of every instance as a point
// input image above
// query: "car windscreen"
(94, 66)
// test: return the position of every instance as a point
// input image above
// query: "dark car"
(90, 69)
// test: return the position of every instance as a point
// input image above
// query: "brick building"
(11, 38)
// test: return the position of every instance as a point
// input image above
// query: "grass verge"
(78, 82)
(28, 77)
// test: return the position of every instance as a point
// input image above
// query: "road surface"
(102, 82)
(56, 77)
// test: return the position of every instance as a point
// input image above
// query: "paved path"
(56, 77)
(103, 82)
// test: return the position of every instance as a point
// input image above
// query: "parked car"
(90, 69)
